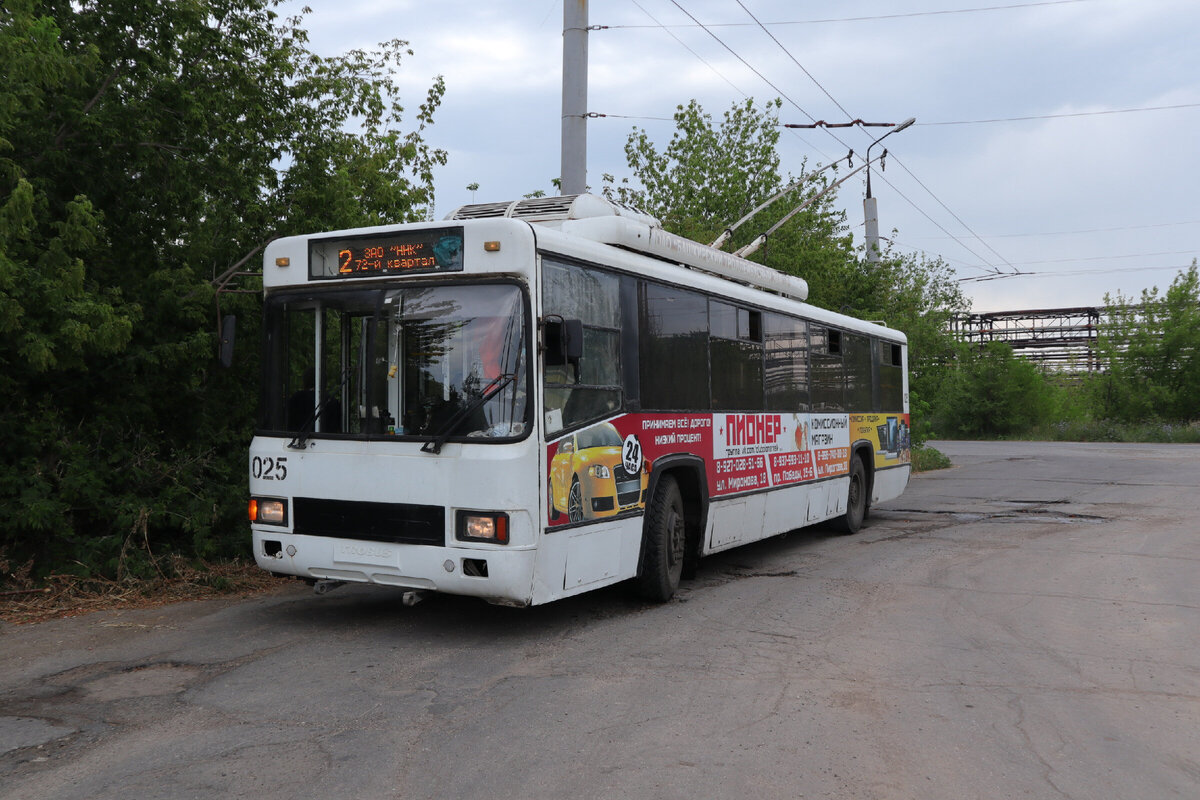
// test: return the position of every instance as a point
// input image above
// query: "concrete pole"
(870, 211)
(871, 217)
(574, 97)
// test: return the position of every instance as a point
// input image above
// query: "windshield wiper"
(300, 440)
(498, 383)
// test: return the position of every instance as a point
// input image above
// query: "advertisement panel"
(603, 470)
(888, 435)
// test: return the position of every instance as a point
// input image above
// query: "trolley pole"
(574, 97)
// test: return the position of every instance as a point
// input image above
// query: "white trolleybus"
(530, 400)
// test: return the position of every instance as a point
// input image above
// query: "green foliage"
(927, 459)
(711, 175)
(706, 177)
(145, 148)
(1152, 352)
(1108, 430)
(995, 393)
(918, 296)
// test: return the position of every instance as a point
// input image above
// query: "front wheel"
(663, 540)
(856, 499)
(575, 502)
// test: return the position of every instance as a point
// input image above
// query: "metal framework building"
(1059, 339)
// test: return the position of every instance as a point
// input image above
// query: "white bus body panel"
(462, 476)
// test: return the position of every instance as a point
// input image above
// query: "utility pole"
(574, 97)
(871, 221)
(870, 210)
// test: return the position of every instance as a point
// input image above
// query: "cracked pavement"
(1022, 625)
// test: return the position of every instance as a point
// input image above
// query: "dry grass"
(24, 601)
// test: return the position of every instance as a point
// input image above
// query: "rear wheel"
(856, 499)
(663, 540)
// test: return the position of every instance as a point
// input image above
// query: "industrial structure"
(1058, 339)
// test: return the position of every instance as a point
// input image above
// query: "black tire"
(856, 499)
(575, 502)
(664, 537)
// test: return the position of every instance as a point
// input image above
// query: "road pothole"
(148, 681)
(1021, 513)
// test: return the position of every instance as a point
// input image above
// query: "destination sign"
(406, 252)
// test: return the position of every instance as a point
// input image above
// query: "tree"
(708, 176)
(1152, 350)
(995, 393)
(145, 147)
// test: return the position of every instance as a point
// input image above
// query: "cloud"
(501, 117)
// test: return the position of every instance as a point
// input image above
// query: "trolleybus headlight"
(479, 526)
(268, 511)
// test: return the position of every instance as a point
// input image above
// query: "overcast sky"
(1094, 194)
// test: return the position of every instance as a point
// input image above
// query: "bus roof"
(601, 220)
(594, 229)
(562, 222)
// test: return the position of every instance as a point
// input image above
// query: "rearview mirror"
(564, 341)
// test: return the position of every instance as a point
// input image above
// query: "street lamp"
(870, 211)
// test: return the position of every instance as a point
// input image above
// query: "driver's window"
(594, 391)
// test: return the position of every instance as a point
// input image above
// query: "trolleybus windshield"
(414, 361)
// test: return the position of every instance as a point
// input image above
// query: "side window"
(828, 371)
(889, 362)
(594, 390)
(673, 357)
(786, 374)
(859, 376)
(736, 352)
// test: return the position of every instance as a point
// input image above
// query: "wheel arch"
(691, 476)
(866, 453)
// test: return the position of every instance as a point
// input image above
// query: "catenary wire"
(843, 109)
(683, 44)
(1089, 230)
(1060, 273)
(711, 67)
(1063, 116)
(865, 18)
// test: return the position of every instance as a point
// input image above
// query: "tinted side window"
(673, 354)
(859, 378)
(891, 376)
(737, 357)
(786, 373)
(828, 373)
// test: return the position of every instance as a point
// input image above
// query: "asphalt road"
(1021, 626)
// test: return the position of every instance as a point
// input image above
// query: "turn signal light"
(268, 511)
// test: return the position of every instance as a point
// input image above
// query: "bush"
(993, 393)
(926, 458)
(1152, 352)
(1107, 430)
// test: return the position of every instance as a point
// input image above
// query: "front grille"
(629, 492)
(396, 523)
(629, 487)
